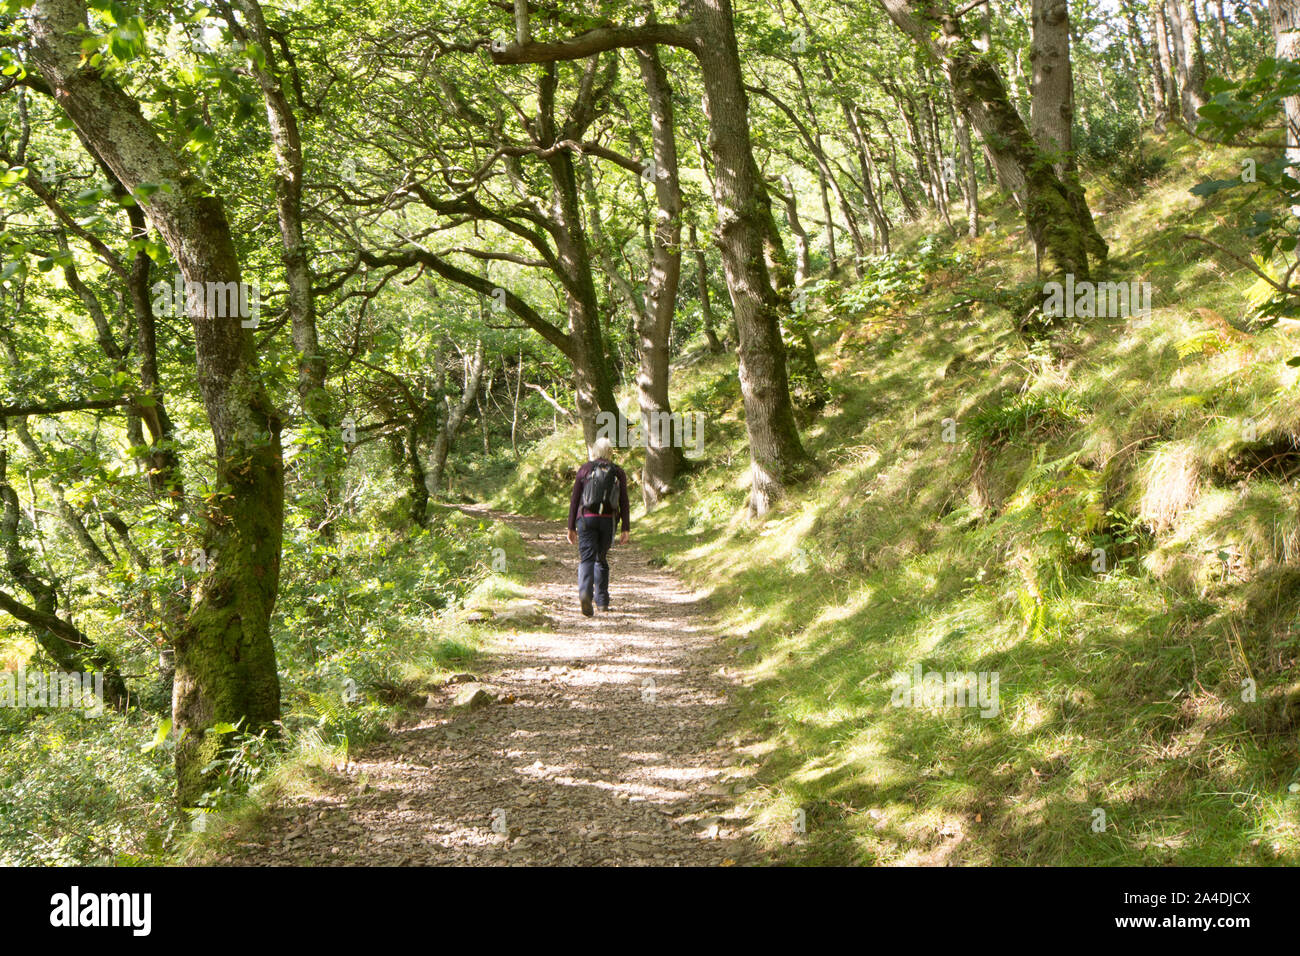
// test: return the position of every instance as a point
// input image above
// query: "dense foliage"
(284, 286)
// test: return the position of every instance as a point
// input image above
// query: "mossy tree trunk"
(225, 660)
(1051, 113)
(415, 471)
(979, 93)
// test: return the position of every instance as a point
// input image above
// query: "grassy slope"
(1119, 691)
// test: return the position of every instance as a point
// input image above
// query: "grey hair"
(602, 447)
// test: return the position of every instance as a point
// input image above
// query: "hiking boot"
(585, 601)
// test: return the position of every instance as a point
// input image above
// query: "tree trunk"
(978, 90)
(933, 153)
(1194, 49)
(970, 178)
(1285, 16)
(832, 255)
(655, 319)
(826, 179)
(911, 212)
(803, 263)
(806, 379)
(225, 661)
(594, 390)
(1165, 59)
(286, 143)
(873, 198)
(702, 279)
(812, 140)
(875, 204)
(1189, 60)
(415, 469)
(919, 165)
(453, 417)
(1052, 109)
(1219, 30)
(1147, 59)
(777, 456)
(483, 418)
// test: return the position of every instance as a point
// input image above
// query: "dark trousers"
(595, 535)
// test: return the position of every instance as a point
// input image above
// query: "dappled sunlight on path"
(603, 749)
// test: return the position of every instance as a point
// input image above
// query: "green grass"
(1166, 443)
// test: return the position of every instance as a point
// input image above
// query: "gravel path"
(601, 749)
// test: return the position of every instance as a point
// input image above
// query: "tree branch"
(595, 41)
(54, 408)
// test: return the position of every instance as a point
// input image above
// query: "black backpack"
(601, 488)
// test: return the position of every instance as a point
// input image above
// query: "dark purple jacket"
(575, 500)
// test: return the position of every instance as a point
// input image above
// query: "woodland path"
(591, 763)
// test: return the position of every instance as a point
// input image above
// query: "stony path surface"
(602, 748)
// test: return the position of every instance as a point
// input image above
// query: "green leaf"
(1212, 186)
(159, 735)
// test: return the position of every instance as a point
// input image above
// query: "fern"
(1206, 342)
